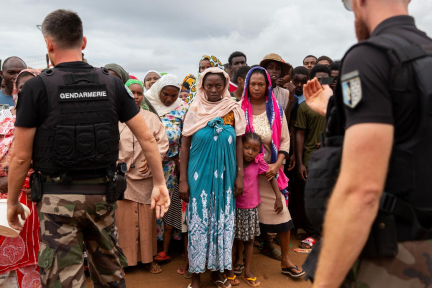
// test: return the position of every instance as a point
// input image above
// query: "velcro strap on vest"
(404, 211)
(70, 79)
(79, 189)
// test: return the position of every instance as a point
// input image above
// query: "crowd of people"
(234, 142)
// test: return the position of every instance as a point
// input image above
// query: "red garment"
(232, 87)
(22, 251)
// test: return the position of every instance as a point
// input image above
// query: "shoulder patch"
(129, 91)
(351, 89)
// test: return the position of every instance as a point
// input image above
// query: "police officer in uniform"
(379, 215)
(67, 125)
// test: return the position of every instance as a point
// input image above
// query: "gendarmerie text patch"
(83, 92)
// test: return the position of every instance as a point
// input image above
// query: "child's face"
(251, 149)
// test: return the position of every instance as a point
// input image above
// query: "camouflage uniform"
(66, 221)
(411, 268)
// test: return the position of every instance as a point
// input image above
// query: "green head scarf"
(135, 81)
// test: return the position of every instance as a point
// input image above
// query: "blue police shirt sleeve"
(365, 84)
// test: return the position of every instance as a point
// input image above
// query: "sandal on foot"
(187, 274)
(181, 270)
(153, 268)
(161, 257)
(252, 282)
(292, 273)
(308, 241)
(233, 281)
(274, 254)
(222, 284)
(238, 269)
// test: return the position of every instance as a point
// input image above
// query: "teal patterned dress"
(173, 122)
(210, 212)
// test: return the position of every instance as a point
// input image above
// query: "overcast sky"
(172, 35)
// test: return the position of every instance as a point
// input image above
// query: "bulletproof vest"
(407, 192)
(81, 130)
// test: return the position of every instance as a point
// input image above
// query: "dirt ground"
(267, 270)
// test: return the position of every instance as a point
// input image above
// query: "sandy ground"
(267, 270)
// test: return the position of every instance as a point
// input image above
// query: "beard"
(361, 29)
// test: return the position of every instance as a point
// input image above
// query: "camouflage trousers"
(68, 221)
(411, 268)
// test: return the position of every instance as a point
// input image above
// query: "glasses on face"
(347, 4)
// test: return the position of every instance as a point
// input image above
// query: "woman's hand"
(273, 170)
(28, 194)
(278, 207)
(184, 191)
(238, 185)
(144, 167)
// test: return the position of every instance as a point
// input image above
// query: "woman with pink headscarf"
(18, 256)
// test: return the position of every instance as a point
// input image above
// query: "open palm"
(317, 96)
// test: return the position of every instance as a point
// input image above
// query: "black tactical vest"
(407, 194)
(81, 130)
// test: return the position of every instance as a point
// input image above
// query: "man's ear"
(50, 45)
(1, 73)
(84, 43)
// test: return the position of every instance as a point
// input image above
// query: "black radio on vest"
(405, 212)
(81, 131)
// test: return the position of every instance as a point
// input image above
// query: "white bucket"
(5, 229)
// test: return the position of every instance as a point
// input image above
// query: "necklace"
(133, 149)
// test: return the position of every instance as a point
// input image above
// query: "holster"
(36, 187)
(382, 241)
(117, 185)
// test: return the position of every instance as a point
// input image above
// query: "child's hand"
(278, 207)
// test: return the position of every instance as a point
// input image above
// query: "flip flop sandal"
(233, 280)
(222, 283)
(274, 254)
(161, 257)
(292, 273)
(249, 280)
(308, 241)
(238, 269)
(154, 269)
(187, 275)
(181, 270)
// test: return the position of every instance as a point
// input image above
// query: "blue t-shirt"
(6, 99)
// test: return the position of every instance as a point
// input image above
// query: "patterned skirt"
(246, 224)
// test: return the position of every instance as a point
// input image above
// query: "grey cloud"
(171, 35)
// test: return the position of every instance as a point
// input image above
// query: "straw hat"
(286, 67)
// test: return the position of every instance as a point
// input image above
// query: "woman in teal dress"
(211, 175)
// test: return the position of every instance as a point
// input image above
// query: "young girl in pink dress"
(246, 220)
